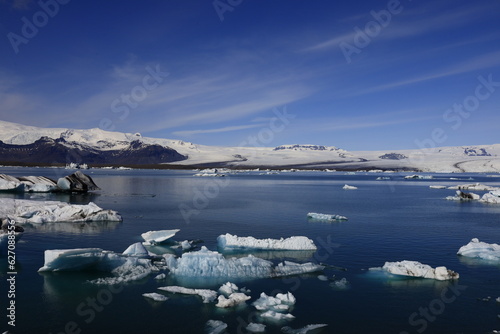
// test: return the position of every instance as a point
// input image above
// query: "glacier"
(228, 241)
(157, 237)
(325, 217)
(210, 264)
(417, 269)
(28, 211)
(480, 250)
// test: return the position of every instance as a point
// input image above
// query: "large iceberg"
(209, 264)
(77, 182)
(123, 268)
(325, 217)
(27, 211)
(480, 250)
(157, 237)
(228, 241)
(417, 269)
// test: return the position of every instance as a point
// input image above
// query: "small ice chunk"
(280, 303)
(186, 245)
(322, 278)
(234, 299)
(303, 330)
(437, 187)
(256, 328)
(136, 249)
(325, 217)
(206, 294)
(229, 241)
(341, 284)
(417, 269)
(348, 187)
(276, 316)
(160, 277)
(491, 197)
(215, 327)
(156, 237)
(228, 288)
(481, 250)
(155, 296)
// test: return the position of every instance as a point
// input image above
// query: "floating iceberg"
(438, 187)
(157, 237)
(348, 187)
(209, 264)
(207, 295)
(325, 217)
(228, 288)
(417, 269)
(124, 268)
(155, 296)
(229, 241)
(276, 316)
(27, 211)
(256, 328)
(215, 327)
(480, 250)
(77, 182)
(136, 249)
(303, 330)
(234, 299)
(474, 186)
(341, 284)
(462, 196)
(281, 303)
(491, 197)
(418, 177)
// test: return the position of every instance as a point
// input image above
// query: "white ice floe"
(480, 250)
(207, 295)
(437, 187)
(136, 249)
(234, 299)
(186, 245)
(325, 217)
(155, 296)
(281, 303)
(157, 237)
(491, 197)
(229, 241)
(276, 316)
(160, 277)
(417, 269)
(348, 187)
(228, 288)
(256, 328)
(123, 268)
(215, 327)
(209, 264)
(418, 177)
(462, 196)
(474, 186)
(303, 330)
(27, 211)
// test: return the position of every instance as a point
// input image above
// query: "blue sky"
(360, 75)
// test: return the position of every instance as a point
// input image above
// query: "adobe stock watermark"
(363, 37)
(126, 102)
(421, 319)
(88, 309)
(455, 115)
(202, 197)
(222, 6)
(30, 28)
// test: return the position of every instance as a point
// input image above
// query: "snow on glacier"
(325, 217)
(28, 211)
(157, 237)
(210, 264)
(228, 241)
(480, 250)
(417, 269)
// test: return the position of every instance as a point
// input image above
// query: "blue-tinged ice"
(136, 249)
(480, 250)
(228, 241)
(157, 237)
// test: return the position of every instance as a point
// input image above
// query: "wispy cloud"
(189, 133)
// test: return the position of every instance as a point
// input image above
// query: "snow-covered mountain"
(23, 144)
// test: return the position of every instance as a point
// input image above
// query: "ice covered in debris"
(215, 327)
(28, 211)
(123, 268)
(417, 269)
(480, 250)
(209, 264)
(206, 294)
(234, 299)
(325, 217)
(228, 241)
(77, 182)
(303, 330)
(463, 196)
(348, 187)
(157, 237)
(155, 296)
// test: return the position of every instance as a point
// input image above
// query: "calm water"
(388, 221)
